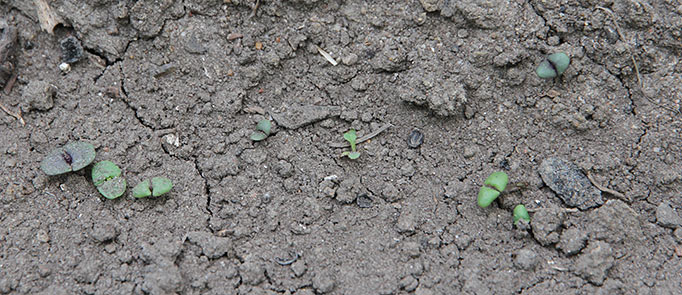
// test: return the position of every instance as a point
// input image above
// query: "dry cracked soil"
(175, 88)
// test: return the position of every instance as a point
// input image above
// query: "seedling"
(263, 130)
(107, 178)
(73, 156)
(159, 186)
(351, 137)
(497, 182)
(553, 66)
(520, 212)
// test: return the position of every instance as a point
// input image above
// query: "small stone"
(364, 201)
(415, 139)
(431, 5)
(299, 268)
(323, 283)
(469, 151)
(72, 51)
(406, 222)
(103, 232)
(545, 223)
(593, 265)
(423, 291)
(39, 95)
(408, 283)
(526, 259)
(667, 217)
(678, 235)
(572, 240)
(110, 248)
(570, 184)
(65, 68)
(42, 236)
(350, 59)
(348, 190)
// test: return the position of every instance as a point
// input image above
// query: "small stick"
(283, 261)
(15, 115)
(10, 83)
(364, 138)
(571, 210)
(606, 189)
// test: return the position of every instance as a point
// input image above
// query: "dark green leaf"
(112, 188)
(72, 157)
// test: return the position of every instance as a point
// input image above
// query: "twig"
(364, 138)
(570, 210)
(606, 189)
(284, 261)
(255, 9)
(15, 115)
(632, 57)
(10, 83)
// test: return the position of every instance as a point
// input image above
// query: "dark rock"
(415, 139)
(570, 184)
(667, 217)
(72, 51)
(572, 240)
(545, 223)
(8, 40)
(593, 265)
(364, 201)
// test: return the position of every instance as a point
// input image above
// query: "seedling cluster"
(106, 175)
(553, 66)
(493, 186)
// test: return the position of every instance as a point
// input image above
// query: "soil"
(175, 88)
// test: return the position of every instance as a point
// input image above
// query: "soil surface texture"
(175, 88)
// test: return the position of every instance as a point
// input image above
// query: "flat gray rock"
(570, 184)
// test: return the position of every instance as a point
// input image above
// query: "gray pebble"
(103, 232)
(364, 201)
(350, 59)
(667, 217)
(572, 241)
(526, 259)
(593, 265)
(406, 222)
(545, 223)
(213, 247)
(415, 139)
(299, 268)
(323, 283)
(570, 184)
(408, 283)
(678, 235)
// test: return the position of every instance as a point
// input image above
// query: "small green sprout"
(263, 130)
(498, 182)
(520, 212)
(159, 186)
(73, 156)
(553, 66)
(351, 137)
(107, 178)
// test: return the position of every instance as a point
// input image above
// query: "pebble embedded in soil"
(364, 201)
(39, 95)
(323, 283)
(72, 51)
(667, 217)
(570, 184)
(593, 265)
(252, 271)
(415, 139)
